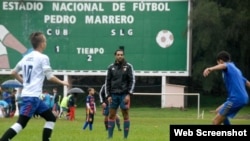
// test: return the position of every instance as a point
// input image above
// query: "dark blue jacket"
(120, 79)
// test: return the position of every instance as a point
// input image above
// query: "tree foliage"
(218, 25)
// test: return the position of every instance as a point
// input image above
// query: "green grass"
(147, 124)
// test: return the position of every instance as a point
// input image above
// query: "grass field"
(147, 124)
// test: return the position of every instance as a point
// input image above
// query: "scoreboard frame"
(155, 34)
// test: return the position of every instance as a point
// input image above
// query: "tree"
(218, 25)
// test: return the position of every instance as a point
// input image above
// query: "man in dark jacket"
(120, 82)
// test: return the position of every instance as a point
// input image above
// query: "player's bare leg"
(218, 120)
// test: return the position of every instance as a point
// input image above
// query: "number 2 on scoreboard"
(89, 58)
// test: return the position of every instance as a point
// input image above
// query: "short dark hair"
(224, 56)
(36, 39)
(119, 50)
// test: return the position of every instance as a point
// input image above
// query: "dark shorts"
(31, 106)
(106, 111)
(90, 118)
(118, 100)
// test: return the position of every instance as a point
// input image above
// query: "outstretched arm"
(207, 71)
(58, 81)
(248, 84)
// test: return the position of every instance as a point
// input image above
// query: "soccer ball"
(165, 38)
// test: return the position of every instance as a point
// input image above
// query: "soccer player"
(90, 109)
(46, 98)
(34, 67)
(64, 107)
(57, 99)
(71, 106)
(120, 82)
(4, 106)
(7, 98)
(13, 103)
(105, 109)
(236, 87)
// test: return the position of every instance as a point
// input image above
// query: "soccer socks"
(90, 126)
(226, 122)
(126, 126)
(85, 125)
(106, 124)
(46, 134)
(47, 130)
(111, 125)
(11, 132)
(117, 120)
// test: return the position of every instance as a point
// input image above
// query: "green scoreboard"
(82, 35)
